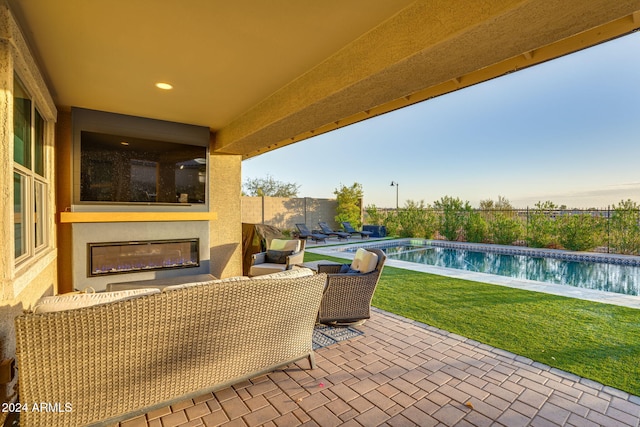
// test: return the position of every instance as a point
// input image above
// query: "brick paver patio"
(402, 373)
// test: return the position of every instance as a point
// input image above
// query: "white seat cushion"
(70, 302)
(364, 261)
(266, 268)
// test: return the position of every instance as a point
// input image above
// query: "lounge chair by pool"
(329, 232)
(349, 229)
(304, 233)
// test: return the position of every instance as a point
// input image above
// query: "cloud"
(597, 197)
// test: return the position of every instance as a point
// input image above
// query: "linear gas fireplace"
(131, 257)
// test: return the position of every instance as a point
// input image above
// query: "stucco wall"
(41, 284)
(285, 213)
(226, 230)
(20, 285)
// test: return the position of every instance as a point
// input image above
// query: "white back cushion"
(208, 282)
(364, 261)
(285, 245)
(70, 302)
(286, 274)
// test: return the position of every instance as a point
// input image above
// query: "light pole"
(395, 184)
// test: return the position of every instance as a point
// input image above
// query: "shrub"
(374, 216)
(287, 233)
(475, 227)
(417, 220)
(392, 223)
(580, 232)
(390, 219)
(624, 231)
(505, 229)
(453, 216)
(541, 227)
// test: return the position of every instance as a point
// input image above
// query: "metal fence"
(611, 230)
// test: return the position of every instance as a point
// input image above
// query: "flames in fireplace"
(130, 257)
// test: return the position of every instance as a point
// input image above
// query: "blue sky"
(567, 131)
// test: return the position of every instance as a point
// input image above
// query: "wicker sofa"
(105, 363)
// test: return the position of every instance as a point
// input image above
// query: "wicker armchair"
(261, 264)
(347, 296)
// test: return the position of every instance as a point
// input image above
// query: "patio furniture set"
(349, 288)
(114, 355)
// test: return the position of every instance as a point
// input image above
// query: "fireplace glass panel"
(131, 257)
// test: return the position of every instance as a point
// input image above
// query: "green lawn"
(592, 340)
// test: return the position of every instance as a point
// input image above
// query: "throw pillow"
(278, 257)
(346, 268)
(364, 261)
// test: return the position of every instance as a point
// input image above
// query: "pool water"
(622, 279)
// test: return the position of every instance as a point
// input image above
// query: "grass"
(593, 340)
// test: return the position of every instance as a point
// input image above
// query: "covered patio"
(404, 373)
(248, 78)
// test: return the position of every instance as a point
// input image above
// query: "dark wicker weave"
(347, 296)
(115, 361)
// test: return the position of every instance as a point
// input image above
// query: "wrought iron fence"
(610, 230)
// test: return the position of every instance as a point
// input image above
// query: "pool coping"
(631, 301)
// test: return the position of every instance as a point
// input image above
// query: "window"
(30, 185)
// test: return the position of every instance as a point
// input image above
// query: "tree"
(501, 204)
(269, 187)
(349, 205)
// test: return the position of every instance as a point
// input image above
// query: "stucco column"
(225, 179)
(7, 310)
(6, 158)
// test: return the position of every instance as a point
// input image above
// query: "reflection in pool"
(622, 279)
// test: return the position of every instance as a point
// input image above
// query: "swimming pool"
(589, 271)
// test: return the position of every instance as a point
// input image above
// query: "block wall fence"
(285, 213)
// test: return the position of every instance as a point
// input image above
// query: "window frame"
(35, 184)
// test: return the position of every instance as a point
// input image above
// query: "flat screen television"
(123, 169)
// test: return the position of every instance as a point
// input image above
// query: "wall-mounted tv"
(120, 159)
(118, 168)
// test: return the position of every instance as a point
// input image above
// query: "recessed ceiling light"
(165, 86)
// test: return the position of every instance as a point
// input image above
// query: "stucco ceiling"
(263, 74)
